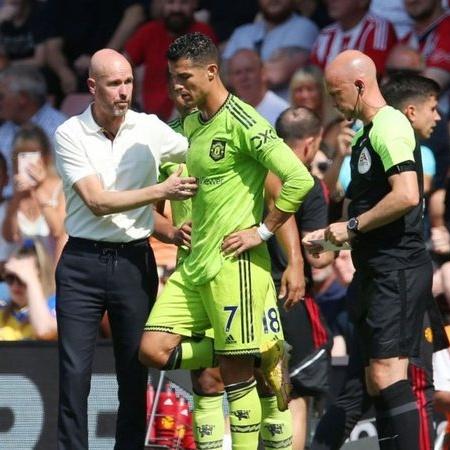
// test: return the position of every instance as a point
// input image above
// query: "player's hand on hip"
(240, 241)
(184, 234)
(179, 188)
(337, 233)
(292, 286)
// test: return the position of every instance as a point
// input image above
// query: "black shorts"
(387, 309)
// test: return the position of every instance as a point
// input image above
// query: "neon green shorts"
(232, 304)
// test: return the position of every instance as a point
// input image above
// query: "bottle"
(188, 442)
(182, 419)
(150, 399)
(166, 413)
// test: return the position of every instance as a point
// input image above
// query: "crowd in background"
(273, 56)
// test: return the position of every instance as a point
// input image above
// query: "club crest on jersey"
(364, 161)
(217, 149)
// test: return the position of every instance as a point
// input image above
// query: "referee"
(107, 158)
(393, 270)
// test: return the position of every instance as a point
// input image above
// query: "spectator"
(37, 208)
(430, 36)
(282, 38)
(29, 313)
(225, 16)
(307, 90)
(355, 28)
(314, 10)
(403, 58)
(75, 30)
(248, 80)
(395, 12)
(149, 44)
(21, 33)
(23, 98)
(6, 248)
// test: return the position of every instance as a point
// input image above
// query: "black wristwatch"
(353, 224)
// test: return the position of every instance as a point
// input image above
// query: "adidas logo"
(230, 339)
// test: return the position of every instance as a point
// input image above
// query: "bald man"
(107, 158)
(393, 271)
(248, 80)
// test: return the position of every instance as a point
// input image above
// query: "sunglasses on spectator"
(11, 278)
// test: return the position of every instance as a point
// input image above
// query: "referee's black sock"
(397, 417)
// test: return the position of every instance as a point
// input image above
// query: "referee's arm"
(404, 196)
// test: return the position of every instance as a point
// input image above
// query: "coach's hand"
(337, 233)
(292, 286)
(179, 188)
(240, 241)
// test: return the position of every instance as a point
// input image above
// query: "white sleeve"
(441, 370)
(70, 160)
(173, 145)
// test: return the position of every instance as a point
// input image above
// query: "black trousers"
(92, 277)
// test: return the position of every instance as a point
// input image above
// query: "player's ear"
(212, 71)
(410, 112)
(91, 85)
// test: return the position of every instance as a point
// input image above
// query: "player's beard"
(177, 23)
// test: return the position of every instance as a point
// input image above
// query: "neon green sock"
(276, 425)
(245, 415)
(209, 420)
(197, 354)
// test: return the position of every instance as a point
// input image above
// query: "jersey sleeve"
(173, 145)
(393, 140)
(71, 162)
(263, 144)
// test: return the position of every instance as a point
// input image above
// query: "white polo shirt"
(128, 162)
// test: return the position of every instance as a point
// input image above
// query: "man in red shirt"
(431, 36)
(355, 28)
(149, 44)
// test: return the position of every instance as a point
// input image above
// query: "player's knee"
(207, 381)
(383, 373)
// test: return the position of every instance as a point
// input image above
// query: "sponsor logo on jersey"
(210, 180)
(217, 149)
(364, 161)
(262, 138)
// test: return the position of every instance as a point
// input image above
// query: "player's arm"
(277, 157)
(166, 232)
(293, 279)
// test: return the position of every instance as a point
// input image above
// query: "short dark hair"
(197, 47)
(298, 123)
(406, 88)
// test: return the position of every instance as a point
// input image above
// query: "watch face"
(352, 224)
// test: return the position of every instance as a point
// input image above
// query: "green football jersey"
(230, 155)
(181, 209)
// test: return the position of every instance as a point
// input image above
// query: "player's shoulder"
(242, 114)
